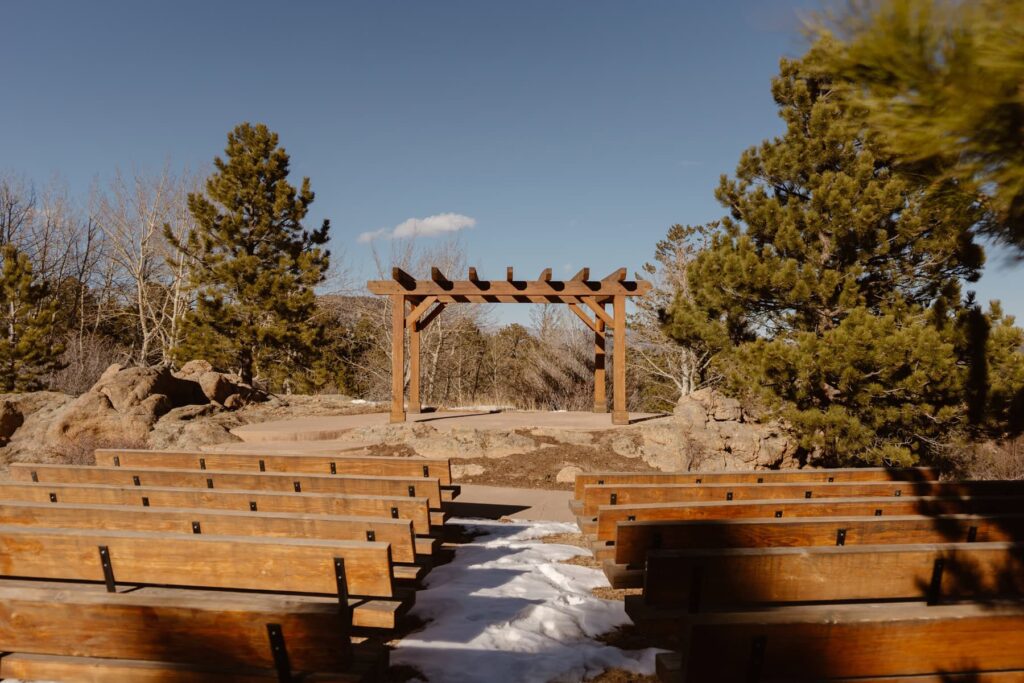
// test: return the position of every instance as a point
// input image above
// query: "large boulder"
(225, 389)
(125, 403)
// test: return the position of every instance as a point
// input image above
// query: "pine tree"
(832, 288)
(28, 348)
(941, 82)
(255, 266)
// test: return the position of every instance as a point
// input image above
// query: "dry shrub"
(994, 460)
(81, 450)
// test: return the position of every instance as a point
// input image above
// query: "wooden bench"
(849, 474)
(227, 630)
(95, 670)
(395, 532)
(438, 468)
(631, 494)
(863, 642)
(213, 479)
(609, 516)
(634, 540)
(698, 580)
(416, 509)
(199, 560)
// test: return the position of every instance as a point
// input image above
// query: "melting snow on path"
(507, 610)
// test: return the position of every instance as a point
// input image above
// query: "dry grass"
(81, 450)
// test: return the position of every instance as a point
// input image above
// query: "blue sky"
(572, 133)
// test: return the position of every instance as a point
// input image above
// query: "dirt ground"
(538, 468)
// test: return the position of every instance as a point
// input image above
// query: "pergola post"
(620, 415)
(585, 297)
(398, 358)
(600, 398)
(415, 406)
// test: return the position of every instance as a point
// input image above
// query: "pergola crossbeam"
(427, 298)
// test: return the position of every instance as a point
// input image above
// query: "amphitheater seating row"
(891, 564)
(177, 566)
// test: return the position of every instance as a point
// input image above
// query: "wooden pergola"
(415, 304)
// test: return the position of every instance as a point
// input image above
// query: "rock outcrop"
(718, 435)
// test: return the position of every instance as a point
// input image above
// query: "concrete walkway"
(334, 427)
(493, 502)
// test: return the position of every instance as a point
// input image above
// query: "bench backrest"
(198, 627)
(255, 481)
(279, 564)
(396, 532)
(395, 507)
(627, 494)
(437, 468)
(702, 579)
(610, 515)
(633, 540)
(848, 474)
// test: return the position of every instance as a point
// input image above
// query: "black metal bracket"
(412, 491)
(334, 468)
(297, 485)
(935, 587)
(757, 647)
(53, 497)
(394, 513)
(279, 652)
(778, 514)
(898, 493)
(117, 461)
(263, 466)
(197, 528)
(972, 534)
(145, 502)
(35, 476)
(831, 480)
(202, 463)
(108, 569)
(371, 535)
(807, 494)
(600, 482)
(841, 537)
(342, 582)
(614, 498)
(209, 483)
(728, 495)
(426, 471)
(760, 480)
(698, 481)
(252, 506)
(630, 518)
(878, 512)
(136, 481)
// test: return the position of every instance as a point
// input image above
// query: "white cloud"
(421, 227)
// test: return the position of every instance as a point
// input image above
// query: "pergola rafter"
(416, 303)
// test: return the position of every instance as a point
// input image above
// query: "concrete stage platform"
(311, 429)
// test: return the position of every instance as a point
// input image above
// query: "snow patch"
(506, 610)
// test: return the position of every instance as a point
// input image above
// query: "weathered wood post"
(600, 399)
(398, 358)
(620, 415)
